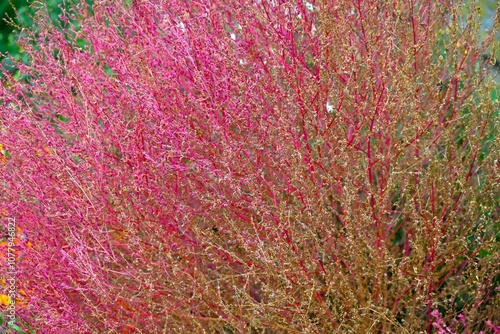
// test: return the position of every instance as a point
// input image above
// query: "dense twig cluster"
(255, 167)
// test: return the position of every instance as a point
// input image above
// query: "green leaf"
(18, 329)
(109, 71)
(76, 158)
(62, 118)
(82, 43)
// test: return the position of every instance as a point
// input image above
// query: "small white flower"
(181, 26)
(329, 107)
(233, 36)
(309, 6)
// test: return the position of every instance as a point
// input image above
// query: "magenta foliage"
(442, 328)
(252, 166)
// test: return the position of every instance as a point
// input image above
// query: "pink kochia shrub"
(234, 166)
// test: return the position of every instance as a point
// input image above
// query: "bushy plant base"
(234, 166)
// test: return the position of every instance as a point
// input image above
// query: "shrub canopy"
(254, 167)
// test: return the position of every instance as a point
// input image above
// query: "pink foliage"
(442, 328)
(252, 167)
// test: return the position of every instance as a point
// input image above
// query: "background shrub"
(254, 167)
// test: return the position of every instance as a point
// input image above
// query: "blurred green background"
(7, 38)
(15, 14)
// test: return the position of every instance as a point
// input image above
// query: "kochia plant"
(266, 166)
